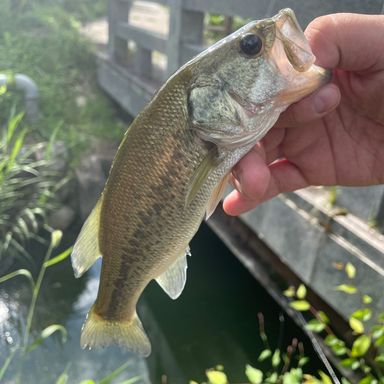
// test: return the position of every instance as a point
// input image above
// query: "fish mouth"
(294, 57)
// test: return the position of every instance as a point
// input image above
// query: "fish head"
(250, 77)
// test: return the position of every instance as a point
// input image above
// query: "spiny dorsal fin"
(86, 249)
(174, 278)
(216, 196)
(201, 174)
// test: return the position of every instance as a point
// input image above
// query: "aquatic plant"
(277, 366)
(364, 356)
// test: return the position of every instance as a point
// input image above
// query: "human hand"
(332, 137)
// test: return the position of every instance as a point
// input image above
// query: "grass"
(42, 39)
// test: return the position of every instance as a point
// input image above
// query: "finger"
(251, 173)
(348, 41)
(283, 177)
(311, 107)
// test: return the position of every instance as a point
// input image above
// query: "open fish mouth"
(294, 57)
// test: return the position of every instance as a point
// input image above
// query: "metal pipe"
(31, 93)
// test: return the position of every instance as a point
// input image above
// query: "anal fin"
(86, 249)
(174, 278)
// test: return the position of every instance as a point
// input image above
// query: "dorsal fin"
(86, 249)
(174, 278)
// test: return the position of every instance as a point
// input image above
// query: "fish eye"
(251, 44)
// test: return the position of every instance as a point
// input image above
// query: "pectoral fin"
(201, 174)
(173, 280)
(86, 249)
(216, 196)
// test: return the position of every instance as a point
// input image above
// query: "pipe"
(31, 93)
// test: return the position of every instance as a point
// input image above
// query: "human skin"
(332, 137)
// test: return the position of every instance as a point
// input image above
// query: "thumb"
(348, 41)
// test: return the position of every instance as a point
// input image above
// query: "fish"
(173, 165)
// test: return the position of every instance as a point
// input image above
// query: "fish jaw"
(295, 60)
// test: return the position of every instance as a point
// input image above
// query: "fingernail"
(326, 99)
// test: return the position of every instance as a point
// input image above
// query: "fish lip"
(311, 80)
(296, 46)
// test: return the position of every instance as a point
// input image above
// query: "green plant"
(29, 343)
(27, 183)
(365, 354)
(45, 42)
(26, 345)
(283, 367)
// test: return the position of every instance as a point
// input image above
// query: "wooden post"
(117, 13)
(143, 61)
(185, 27)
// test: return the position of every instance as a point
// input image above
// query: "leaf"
(255, 376)
(47, 332)
(273, 378)
(362, 314)
(368, 380)
(276, 358)
(350, 270)
(87, 382)
(379, 342)
(325, 379)
(62, 379)
(345, 381)
(351, 363)
(294, 376)
(356, 325)
(331, 340)
(216, 377)
(379, 359)
(300, 305)
(264, 355)
(367, 299)
(301, 292)
(323, 317)
(378, 331)
(289, 292)
(302, 361)
(360, 346)
(58, 258)
(337, 345)
(315, 325)
(19, 272)
(349, 289)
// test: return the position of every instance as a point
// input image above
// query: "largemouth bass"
(173, 164)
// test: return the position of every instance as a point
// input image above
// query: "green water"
(213, 322)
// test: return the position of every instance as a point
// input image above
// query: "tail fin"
(98, 332)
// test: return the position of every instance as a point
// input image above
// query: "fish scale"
(173, 164)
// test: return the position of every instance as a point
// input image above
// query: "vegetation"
(365, 355)
(43, 40)
(27, 183)
(29, 342)
(285, 367)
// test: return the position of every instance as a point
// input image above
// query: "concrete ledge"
(312, 240)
